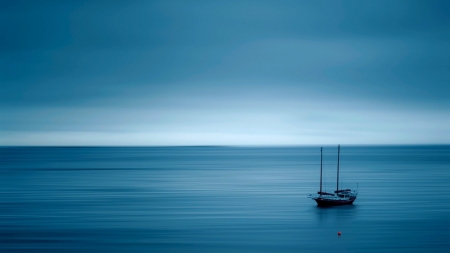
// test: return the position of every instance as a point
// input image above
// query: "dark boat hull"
(328, 202)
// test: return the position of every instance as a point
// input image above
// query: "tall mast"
(337, 184)
(320, 171)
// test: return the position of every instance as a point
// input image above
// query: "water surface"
(222, 199)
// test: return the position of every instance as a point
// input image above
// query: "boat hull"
(328, 202)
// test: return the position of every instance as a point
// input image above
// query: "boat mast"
(320, 171)
(337, 184)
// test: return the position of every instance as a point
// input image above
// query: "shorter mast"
(337, 183)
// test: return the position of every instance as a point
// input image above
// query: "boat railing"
(325, 193)
(346, 190)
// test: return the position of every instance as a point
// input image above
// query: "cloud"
(260, 68)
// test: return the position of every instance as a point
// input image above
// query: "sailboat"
(339, 197)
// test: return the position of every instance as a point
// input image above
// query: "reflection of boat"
(339, 197)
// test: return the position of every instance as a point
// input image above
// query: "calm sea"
(222, 199)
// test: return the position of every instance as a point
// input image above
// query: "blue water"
(222, 199)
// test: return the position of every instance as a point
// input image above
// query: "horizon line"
(218, 145)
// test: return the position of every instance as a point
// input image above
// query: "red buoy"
(339, 233)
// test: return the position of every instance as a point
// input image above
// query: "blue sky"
(224, 72)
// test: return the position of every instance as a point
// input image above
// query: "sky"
(241, 72)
